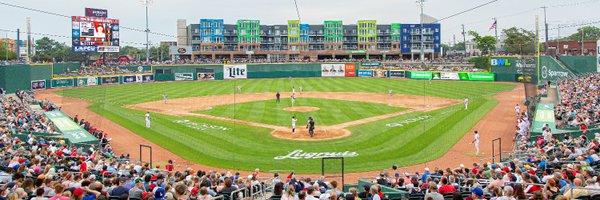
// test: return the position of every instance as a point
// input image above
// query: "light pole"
(421, 4)
(146, 3)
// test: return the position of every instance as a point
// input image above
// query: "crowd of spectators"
(17, 117)
(579, 102)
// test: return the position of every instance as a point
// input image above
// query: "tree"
(459, 46)
(49, 50)
(589, 33)
(519, 41)
(5, 53)
(486, 43)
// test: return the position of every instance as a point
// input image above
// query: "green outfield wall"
(579, 64)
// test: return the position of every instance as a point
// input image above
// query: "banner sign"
(206, 76)
(144, 78)
(435, 75)
(87, 81)
(94, 12)
(370, 65)
(357, 51)
(38, 85)
(69, 128)
(397, 74)
(380, 73)
(421, 75)
(184, 76)
(350, 70)
(365, 73)
(481, 76)
(109, 80)
(449, 76)
(235, 71)
(180, 50)
(58, 83)
(130, 79)
(333, 70)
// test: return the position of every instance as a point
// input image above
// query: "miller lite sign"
(235, 72)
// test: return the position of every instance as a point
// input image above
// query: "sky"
(163, 14)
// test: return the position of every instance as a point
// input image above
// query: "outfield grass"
(330, 111)
(246, 148)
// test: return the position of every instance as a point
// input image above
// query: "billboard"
(58, 83)
(365, 73)
(109, 80)
(94, 34)
(380, 73)
(235, 72)
(421, 75)
(184, 76)
(350, 70)
(94, 12)
(130, 79)
(144, 78)
(180, 50)
(333, 70)
(449, 76)
(206, 76)
(481, 76)
(396, 74)
(87, 81)
(38, 84)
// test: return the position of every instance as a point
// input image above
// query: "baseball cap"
(78, 192)
(159, 193)
(477, 191)
(195, 191)
(426, 168)
(138, 180)
(145, 194)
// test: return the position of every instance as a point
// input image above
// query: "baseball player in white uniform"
(164, 98)
(476, 142)
(294, 124)
(293, 99)
(300, 89)
(293, 90)
(466, 103)
(239, 88)
(390, 92)
(517, 110)
(147, 118)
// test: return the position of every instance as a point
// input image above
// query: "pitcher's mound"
(302, 134)
(301, 109)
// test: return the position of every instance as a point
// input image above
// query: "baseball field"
(212, 124)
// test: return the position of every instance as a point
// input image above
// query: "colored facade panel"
(211, 30)
(367, 31)
(396, 30)
(248, 31)
(293, 31)
(411, 38)
(333, 31)
(304, 33)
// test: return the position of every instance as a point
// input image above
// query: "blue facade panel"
(410, 31)
(304, 32)
(212, 30)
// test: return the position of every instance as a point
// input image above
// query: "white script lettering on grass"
(409, 121)
(299, 154)
(200, 126)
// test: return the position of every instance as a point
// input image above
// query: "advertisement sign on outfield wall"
(184, 76)
(350, 70)
(38, 85)
(144, 78)
(333, 70)
(206, 76)
(396, 74)
(235, 72)
(449, 76)
(380, 73)
(58, 83)
(129, 79)
(476, 76)
(365, 73)
(421, 75)
(87, 81)
(109, 80)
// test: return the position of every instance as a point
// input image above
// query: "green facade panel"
(248, 31)
(333, 31)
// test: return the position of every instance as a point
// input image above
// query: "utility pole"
(546, 29)
(454, 42)
(18, 45)
(464, 39)
(582, 40)
(422, 4)
(558, 42)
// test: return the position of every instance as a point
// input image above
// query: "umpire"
(311, 126)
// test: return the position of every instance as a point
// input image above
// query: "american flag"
(493, 25)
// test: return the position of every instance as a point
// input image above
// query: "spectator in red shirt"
(169, 166)
(446, 188)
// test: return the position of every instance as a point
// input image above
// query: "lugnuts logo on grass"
(300, 154)
(235, 72)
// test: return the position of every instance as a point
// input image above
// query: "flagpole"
(496, 32)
